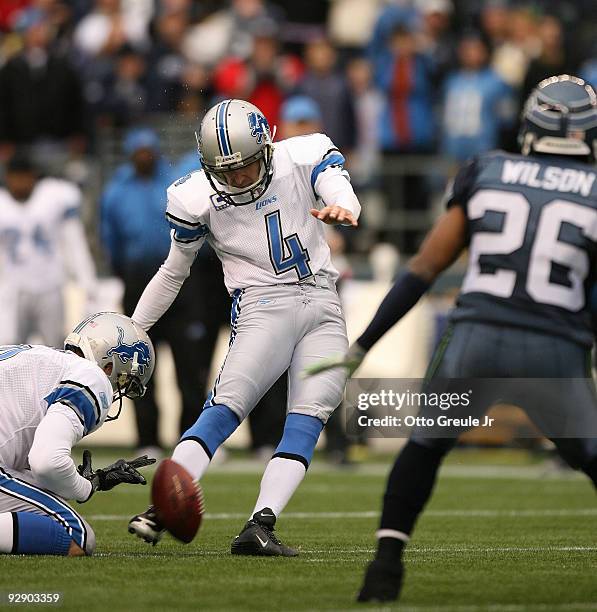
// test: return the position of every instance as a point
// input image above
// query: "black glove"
(121, 471)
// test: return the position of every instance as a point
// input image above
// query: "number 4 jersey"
(274, 240)
(532, 225)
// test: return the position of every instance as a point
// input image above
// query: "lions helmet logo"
(126, 352)
(259, 126)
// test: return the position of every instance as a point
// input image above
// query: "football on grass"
(178, 500)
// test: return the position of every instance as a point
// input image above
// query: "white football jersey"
(274, 240)
(34, 377)
(30, 235)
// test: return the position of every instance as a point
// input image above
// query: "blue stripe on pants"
(47, 503)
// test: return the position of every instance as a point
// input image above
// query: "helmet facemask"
(241, 196)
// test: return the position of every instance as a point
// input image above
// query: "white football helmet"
(234, 134)
(109, 337)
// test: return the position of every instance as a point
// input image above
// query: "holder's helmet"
(109, 337)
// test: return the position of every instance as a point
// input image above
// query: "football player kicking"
(261, 206)
(50, 399)
(530, 223)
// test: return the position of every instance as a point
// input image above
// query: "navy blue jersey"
(532, 224)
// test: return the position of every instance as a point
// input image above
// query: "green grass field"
(497, 536)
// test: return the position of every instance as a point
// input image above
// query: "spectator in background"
(9, 12)
(41, 100)
(368, 103)
(329, 88)
(553, 58)
(273, 74)
(478, 105)
(379, 49)
(435, 38)
(406, 126)
(111, 25)
(189, 162)
(350, 25)
(166, 63)
(264, 79)
(125, 98)
(494, 22)
(510, 59)
(229, 32)
(196, 91)
(137, 239)
(300, 115)
(42, 243)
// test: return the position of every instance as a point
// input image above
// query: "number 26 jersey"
(274, 240)
(532, 224)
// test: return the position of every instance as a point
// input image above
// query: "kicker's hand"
(119, 472)
(334, 215)
(351, 360)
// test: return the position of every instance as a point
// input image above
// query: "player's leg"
(580, 454)
(310, 402)
(49, 317)
(461, 353)
(260, 349)
(34, 521)
(564, 406)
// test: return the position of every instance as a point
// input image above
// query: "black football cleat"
(382, 582)
(147, 526)
(258, 539)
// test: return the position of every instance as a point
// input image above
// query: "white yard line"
(373, 514)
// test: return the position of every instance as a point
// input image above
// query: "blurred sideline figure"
(50, 400)
(524, 307)
(137, 240)
(42, 241)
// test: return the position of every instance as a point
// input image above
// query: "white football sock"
(280, 480)
(192, 457)
(6, 531)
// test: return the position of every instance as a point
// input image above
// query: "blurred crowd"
(384, 79)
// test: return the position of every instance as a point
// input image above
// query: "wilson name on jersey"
(274, 240)
(533, 236)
